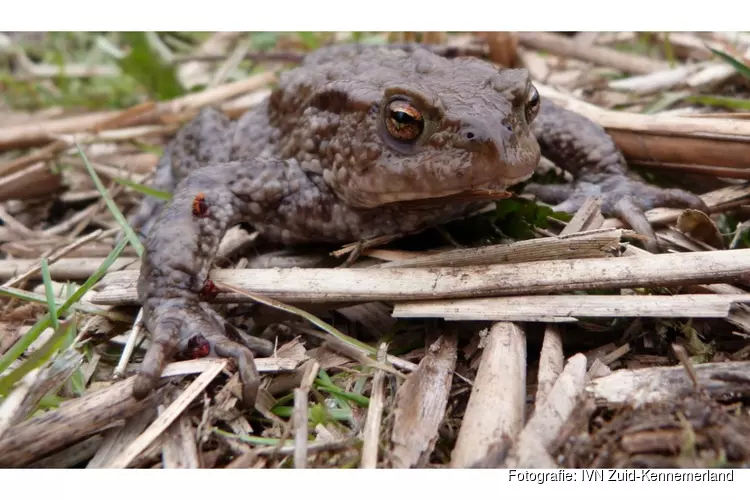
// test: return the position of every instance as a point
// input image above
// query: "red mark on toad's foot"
(209, 290)
(197, 347)
(200, 207)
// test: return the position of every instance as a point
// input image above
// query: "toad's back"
(328, 114)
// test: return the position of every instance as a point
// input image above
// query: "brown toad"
(336, 154)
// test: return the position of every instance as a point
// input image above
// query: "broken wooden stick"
(420, 404)
(555, 276)
(650, 385)
(80, 418)
(531, 450)
(671, 139)
(588, 244)
(567, 308)
(564, 46)
(38, 133)
(495, 411)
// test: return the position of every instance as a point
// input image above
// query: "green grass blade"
(144, 64)
(257, 440)
(323, 375)
(738, 65)
(720, 101)
(333, 413)
(664, 101)
(148, 191)
(315, 321)
(17, 293)
(302, 314)
(336, 390)
(98, 274)
(76, 383)
(324, 380)
(129, 233)
(669, 51)
(50, 293)
(24, 342)
(50, 402)
(38, 357)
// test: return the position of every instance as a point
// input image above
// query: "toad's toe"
(623, 197)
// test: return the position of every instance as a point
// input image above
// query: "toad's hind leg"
(206, 140)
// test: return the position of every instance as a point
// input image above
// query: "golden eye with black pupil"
(403, 121)
(532, 104)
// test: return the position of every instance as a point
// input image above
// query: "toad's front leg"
(180, 250)
(584, 148)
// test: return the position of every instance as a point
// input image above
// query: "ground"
(624, 359)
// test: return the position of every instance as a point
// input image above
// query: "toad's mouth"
(466, 196)
(484, 191)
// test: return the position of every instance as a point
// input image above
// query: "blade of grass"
(50, 402)
(720, 101)
(50, 293)
(38, 357)
(349, 341)
(301, 313)
(359, 384)
(323, 375)
(335, 390)
(77, 384)
(263, 441)
(336, 414)
(738, 65)
(148, 191)
(19, 294)
(345, 339)
(144, 63)
(342, 403)
(664, 101)
(129, 233)
(669, 51)
(44, 322)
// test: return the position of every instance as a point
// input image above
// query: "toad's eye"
(532, 104)
(403, 121)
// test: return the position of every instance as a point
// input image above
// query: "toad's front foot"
(181, 327)
(622, 197)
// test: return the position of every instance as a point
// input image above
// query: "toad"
(339, 152)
